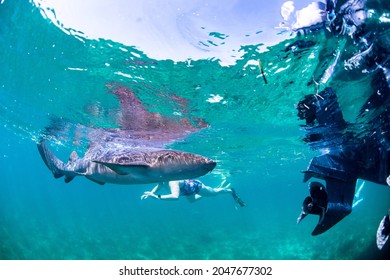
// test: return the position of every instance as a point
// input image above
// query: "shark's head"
(208, 164)
(185, 165)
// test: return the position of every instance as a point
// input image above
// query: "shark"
(134, 153)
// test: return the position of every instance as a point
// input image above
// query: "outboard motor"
(346, 157)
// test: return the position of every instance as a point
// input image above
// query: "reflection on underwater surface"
(252, 132)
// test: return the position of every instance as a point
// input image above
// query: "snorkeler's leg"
(208, 191)
(223, 185)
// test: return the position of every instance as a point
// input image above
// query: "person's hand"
(148, 194)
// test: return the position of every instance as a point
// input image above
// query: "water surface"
(254, 134)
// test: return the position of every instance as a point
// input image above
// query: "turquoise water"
(254, 135)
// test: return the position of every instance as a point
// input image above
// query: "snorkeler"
(192, 189)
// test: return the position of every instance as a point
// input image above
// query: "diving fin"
(237, 199)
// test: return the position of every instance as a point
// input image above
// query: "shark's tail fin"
(56, 166)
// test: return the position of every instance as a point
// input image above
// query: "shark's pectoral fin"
(119, 169)
(95, 181)
(124, 169)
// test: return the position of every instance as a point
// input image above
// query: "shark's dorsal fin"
(73, 156)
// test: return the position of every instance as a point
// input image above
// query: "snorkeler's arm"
(173, 186)
(157, 187)
(152, 193)
(175, 191)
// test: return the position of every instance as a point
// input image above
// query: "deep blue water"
(255, 137)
